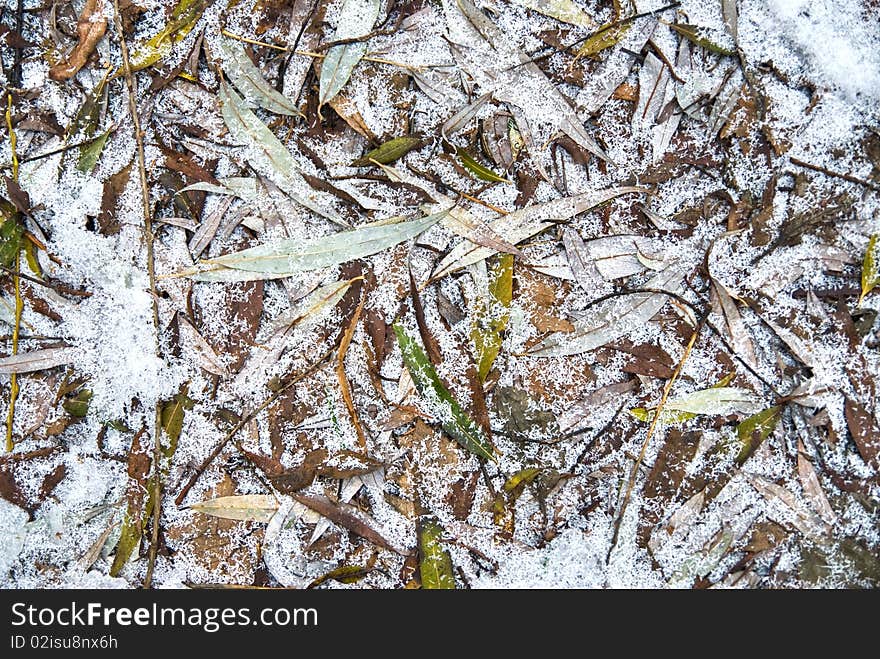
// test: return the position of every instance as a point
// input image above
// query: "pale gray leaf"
(736, 330)
(617, 256)
(527, 222)
(207, 228)
(461, 118)
(731, 18)
(245, 507)
(803, 519)
(582, 266)
(250, 81)
(356, 20)
(270, 157)
(613, 320)
(714, 400)
(580, 414)
(653, 77)
(813, 488)
(294, 255)
(37, 360)
(722, 109)
(614, 69)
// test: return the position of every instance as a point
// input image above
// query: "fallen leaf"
(250, 81)
(243, 507)
(358, 18)
(435, 564)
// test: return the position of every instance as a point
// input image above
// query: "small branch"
(840, 175)
(654, 422)
(151, 272)
(61, 288)
(244, 421)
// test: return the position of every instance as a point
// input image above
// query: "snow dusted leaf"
(443, 406)
(813, 488)
(91, 153)
(480, 171)
(753, 431)
(312, 305)
(245, 507)
(615, 319)
(461, 118)
(736, 330)
(522, 83)
(713, 401)
(205, 354)
(722, 109)
(250, 81)
(491, 319)
(703, 562)
(207, 229)
(522, 224)
(614, 69)
(583, 268)
(37, 360)
(704, 37)
(562, 10)
(137, 502)
(356, 20)
(435, 564)
(870, 267)
(865, 431)
(653, 78)
(269, 156)
(389, 151)
(348, 517)
(799, 516)
(731, 18)
(183, 19)
(286, 257)
(581, 413)
(623, 255)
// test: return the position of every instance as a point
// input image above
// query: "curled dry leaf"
(90, 28)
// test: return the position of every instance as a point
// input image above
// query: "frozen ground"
(725, 152)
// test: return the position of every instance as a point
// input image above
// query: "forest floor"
(440, 293)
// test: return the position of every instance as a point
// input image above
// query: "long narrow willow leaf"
(435, 564)
(562, 10)
(491, 318)
(870, 265)
(269, 156)
(522, 224)
(246, 507)
(183, 19)
(455, 421)
(250, 81)
(289, 256)
(356, 20)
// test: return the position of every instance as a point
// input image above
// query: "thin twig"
(19, 304)
(244, 421)
(151, 273)
(828, 172)
(61, 288)
(654, 422)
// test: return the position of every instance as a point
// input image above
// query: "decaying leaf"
(137, 509)
(704, 38)
(714, 400)
(454, 420)
(183, 18)
(753, 431)
(865, 431)
(37, 360)
(90, 29)
(562, 10)
(389, 151)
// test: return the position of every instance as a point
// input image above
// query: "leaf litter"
(421, 279)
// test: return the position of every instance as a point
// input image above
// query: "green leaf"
(443, 406)
(11, 234)
(870, 273)
(435, 564)
(183, 19)
(389, 152)
(172, 415)
(357, 19)
(250, 81)
(343, 574)
(695, 34)
(90, 153)
(753, 431)
(290, 256)
(491, 319)
(480, 171)
(607, 36)
(78, 405)
(268, 156)
(85, 123)
(129, 538)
